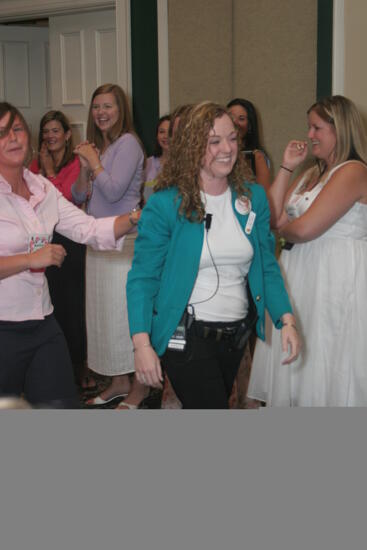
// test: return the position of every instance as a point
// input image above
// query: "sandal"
(99, 402)
(127, 406)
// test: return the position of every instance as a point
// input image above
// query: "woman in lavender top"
(111, 176)
(155, 163)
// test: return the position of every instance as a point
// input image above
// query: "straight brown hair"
(123, 125)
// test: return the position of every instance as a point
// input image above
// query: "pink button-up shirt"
(25, 295)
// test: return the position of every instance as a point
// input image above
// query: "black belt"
(215, 332)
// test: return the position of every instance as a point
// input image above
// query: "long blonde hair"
(351, 138)
(187, 150)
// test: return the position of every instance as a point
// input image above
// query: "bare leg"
(137, 393)
(85, 377)
(120, 385)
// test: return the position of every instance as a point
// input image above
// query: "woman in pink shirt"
(58, 163)
(34, 359)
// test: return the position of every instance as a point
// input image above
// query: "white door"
(83, 56)
(24, 72)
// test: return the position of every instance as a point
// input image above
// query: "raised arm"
(89, 163)
(101, 234)
(346, 186)
(295, 153)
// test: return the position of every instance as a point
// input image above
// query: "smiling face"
(221, 152)
(105, 112)
(14, 145)
(162, 135)
(322, 136)
(240, 118)
(54, 136)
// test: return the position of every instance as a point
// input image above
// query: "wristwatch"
(133, 219)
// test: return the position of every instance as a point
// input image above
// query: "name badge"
(243, 205)
(35, 242)
(250, 223)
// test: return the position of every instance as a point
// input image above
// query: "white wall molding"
(13, 10)
(80, 41)
(163, 57)
(338, 48)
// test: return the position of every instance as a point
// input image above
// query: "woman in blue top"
(203, 259)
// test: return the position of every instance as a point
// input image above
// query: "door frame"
(17, 10)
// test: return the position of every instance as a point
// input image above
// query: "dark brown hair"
(157, 148)
(69, 146)
(5, 108)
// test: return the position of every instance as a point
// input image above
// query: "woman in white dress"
(324, 213)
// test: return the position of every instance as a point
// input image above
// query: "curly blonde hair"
(185, 158)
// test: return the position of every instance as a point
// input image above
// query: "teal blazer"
(166, 262)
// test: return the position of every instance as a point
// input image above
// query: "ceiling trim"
(13, 10)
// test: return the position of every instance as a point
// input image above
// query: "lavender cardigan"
(116, 190)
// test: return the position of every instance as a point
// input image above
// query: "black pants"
(35, 361)
(67, 291)
(202, 376)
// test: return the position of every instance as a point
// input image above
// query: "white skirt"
(108, 339)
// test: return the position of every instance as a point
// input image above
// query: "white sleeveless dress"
(327, 283)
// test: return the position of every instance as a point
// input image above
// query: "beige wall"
(274, 57)
(261, 50)
(200, 50)
(355, 74)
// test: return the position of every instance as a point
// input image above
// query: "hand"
(46, 161)
(295, 153)
(88, 154)
(148, 367)
(290, 339)
(50, 254)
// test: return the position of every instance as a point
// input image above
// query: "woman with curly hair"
(204, 269)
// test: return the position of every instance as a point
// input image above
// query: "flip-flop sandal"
(99, 402)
